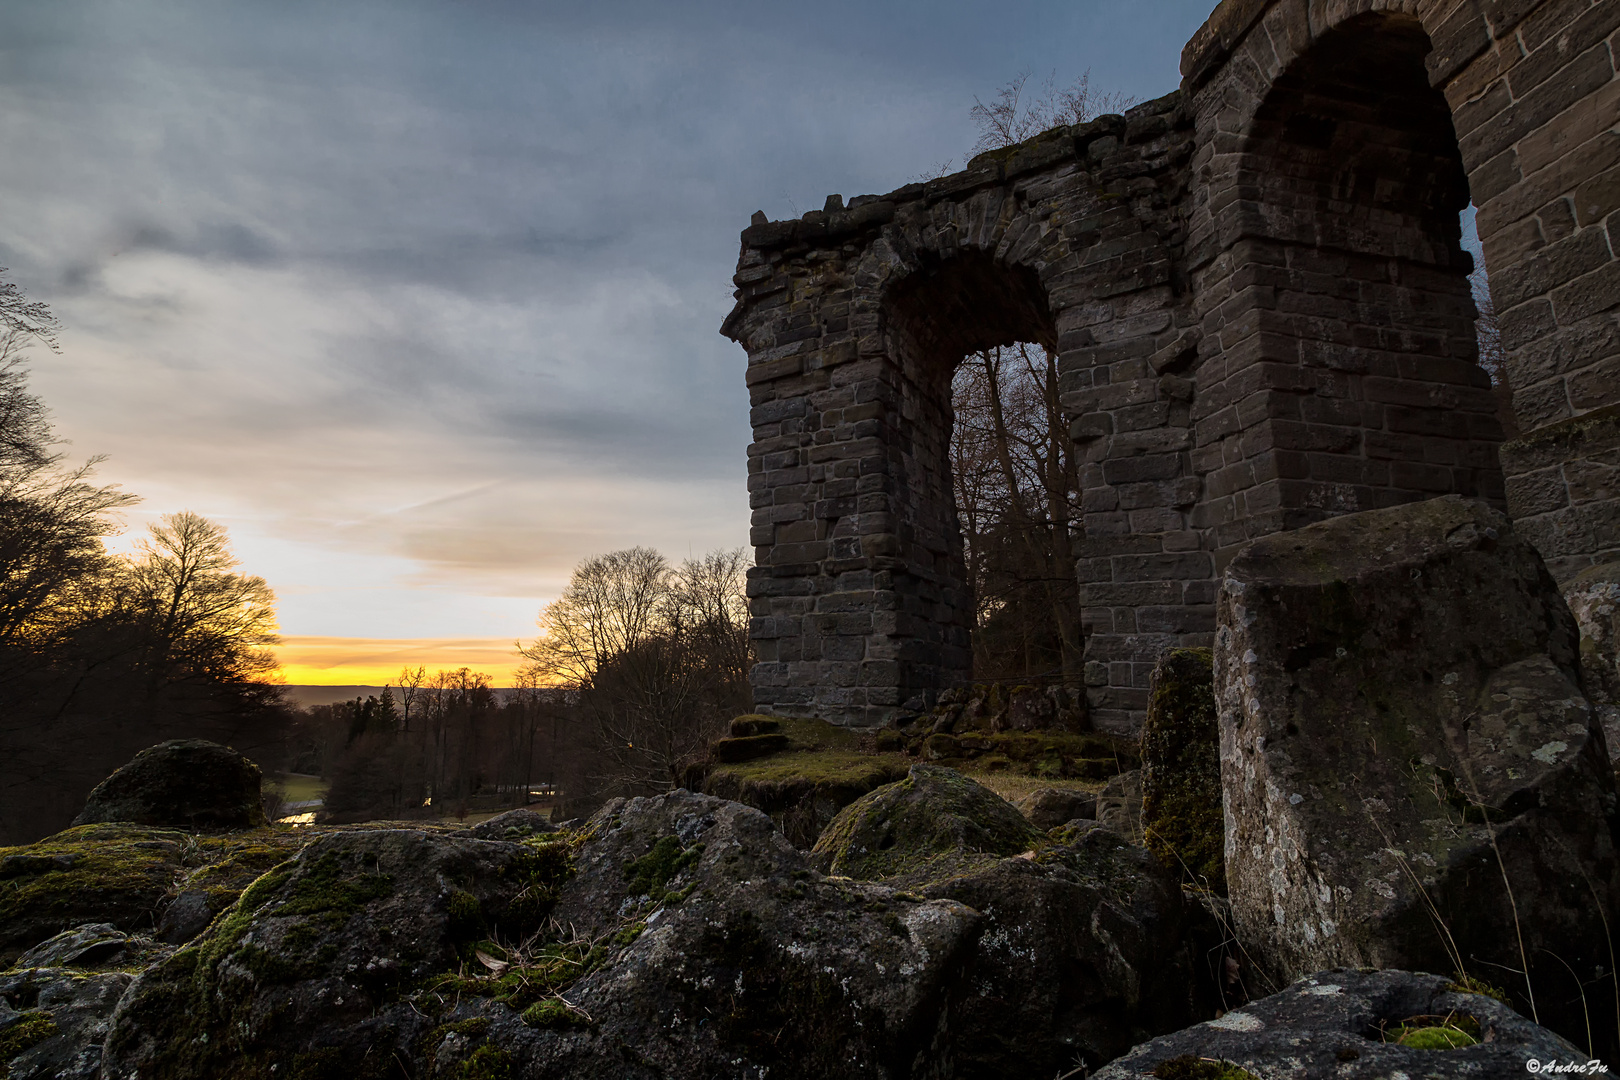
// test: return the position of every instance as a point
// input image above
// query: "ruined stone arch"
(1259, 320)
(1530, 90)
(1339, 367)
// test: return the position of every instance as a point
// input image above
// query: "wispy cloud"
(421, 299)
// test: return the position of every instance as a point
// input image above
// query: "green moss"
(1435, 1038)
(1188, 1067)
(91, 873)
(543, 871)
(1469, 984)
(327, 887)
(553, 1013)
(486, 1063)
(934, 824)
(650, 875)
(466, 916)
(1451, 1031)
(26, 1031)
(1182, 815)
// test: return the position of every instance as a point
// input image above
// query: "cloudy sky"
(421, 299)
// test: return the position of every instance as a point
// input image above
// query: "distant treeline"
(639, 666)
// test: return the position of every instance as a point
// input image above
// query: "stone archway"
(1531, 90)
(853, 319)
(1341, 365)
(1258, 301)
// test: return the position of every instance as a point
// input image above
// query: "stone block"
(1403, 740)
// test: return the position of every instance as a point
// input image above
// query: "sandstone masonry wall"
(1260, 307)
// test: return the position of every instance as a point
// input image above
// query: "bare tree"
(51, 520)
(1016, 113)
(204, 619)
(658, 654)
(1016, 487)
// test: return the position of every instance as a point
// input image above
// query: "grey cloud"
(322, 259)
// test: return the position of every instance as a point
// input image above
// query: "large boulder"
(688, 939)
(312, 960)
(180, 784)
(744, 961)
(1085, 946)
(118, 874)
(1182, 818)
(1412, 777)
(934, 820)
(1086, 950)
(53, 1021)
(1355, 1025)
(1594, 599)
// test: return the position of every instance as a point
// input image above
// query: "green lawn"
(300, 788)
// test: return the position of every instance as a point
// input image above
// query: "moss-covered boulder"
(1047, 808)
(815, 770)
(1354, 1025)
(118, 874)
(934, 823)
(53, 1021)
(1182, 819)
(1411, 773)
(180, 784)
(312, 961)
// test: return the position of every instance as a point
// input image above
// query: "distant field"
(301, 788)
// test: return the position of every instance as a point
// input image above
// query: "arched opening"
(988, 473)
(1015, 479)
(1349, 350)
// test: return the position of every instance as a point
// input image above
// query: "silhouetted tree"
(658, 654)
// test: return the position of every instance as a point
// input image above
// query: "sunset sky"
(421, 300)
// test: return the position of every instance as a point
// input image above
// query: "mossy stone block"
(748, 748)
(1181, 768)
(929, 824)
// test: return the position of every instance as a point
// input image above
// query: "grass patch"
(1012, 786)
(296, 787)
(1451, 1031)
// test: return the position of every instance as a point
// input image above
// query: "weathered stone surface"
(1047, 808)
(1336, 1023)
(1402, 741)
(1119, 805)
(309, 962)
(1182, 817)
(513, 825)
(763, 967)
(93, 945)
(119, 874)
(689, 939)
(1086, 950)
(1594, 599)
(53, 1021)
(920, 828)
(181, 784)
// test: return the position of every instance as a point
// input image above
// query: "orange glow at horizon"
(346, 661)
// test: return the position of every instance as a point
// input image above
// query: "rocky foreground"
(1394, 762)
(678, 936)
